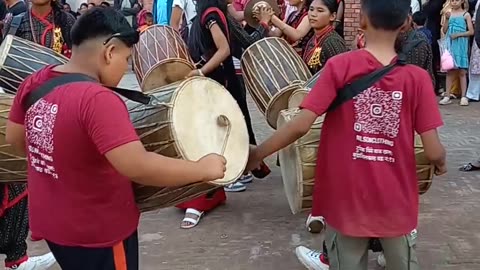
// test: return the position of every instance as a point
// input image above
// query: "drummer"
(210, 32)
(326, 42)
(421, 56)
(13, 197)
(296, 28)
(90, 191)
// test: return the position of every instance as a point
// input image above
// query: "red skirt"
(206, 202)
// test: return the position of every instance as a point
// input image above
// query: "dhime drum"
(13, 168)
(312, 81)
(272, 70)
(160, 57)
(297, 98)
(19, 58)
(425, 170)
(298, 162)
(188, 120)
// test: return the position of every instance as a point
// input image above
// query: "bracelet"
(200, 72)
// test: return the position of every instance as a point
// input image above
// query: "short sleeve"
(427, 113)
(180, 3)
(107, 121)
(323, 93)
(213, 17)
(17, 112)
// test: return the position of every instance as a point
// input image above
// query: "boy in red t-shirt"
(83, 152)
(366, 183)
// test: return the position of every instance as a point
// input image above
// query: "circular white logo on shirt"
(38, 123)
(54, 109)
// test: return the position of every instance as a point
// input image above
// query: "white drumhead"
(5, 48)
(199, 103)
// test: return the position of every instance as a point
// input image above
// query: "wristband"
(200, 72)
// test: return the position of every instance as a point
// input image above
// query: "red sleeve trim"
(220, 14)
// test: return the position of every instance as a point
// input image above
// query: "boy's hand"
(213, 167)
(253, 160)
(440, 169)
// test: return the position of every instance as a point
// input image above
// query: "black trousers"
(123, 256)
(13, 222)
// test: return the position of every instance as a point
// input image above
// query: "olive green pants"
(351, 253)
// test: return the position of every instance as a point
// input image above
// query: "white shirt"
(415, 5)
(289, 10)
(189, 9)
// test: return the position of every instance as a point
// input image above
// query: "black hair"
(197, 41)
(332, 5)
(103, 22)
(61, 18)
(387, 15)
(148, 15)
(419, 18)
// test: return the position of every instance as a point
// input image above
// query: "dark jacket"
(132, 11)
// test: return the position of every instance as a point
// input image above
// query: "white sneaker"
(311, 259)
(37, 263)
(381, 260)
(464, 101)
(445, 101)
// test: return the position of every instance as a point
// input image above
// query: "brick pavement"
(255, 229)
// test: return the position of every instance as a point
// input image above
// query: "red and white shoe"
(43, 262)
(312, 259)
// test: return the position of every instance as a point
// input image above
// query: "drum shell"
(312, 81)
(301, 157)
(156, 129)
(19, 58)
(13, 168)
(160, 57)
(272, 70)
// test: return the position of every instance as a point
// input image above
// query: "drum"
(298, 162)
(312, 81)
(160, 57)
(272, 70)
(297, 97)
(425, 170)
(188, 120)
(19, 58)
(13, 168)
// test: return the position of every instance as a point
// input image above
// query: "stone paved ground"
(256, 229)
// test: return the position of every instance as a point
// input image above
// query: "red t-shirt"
(365, 180)
(76, 198)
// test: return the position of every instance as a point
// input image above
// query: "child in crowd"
(145, 19)
(419, 19)
(370, 190)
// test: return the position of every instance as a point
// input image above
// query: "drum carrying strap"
(355, 88)
(52, 84)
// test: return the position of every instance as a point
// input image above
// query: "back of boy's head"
(387, 15)
(419, 18)
(103, 22)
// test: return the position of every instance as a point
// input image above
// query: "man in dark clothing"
(16, 7)
(129, 9)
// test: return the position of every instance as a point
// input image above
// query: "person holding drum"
(296, 28)
(47, 24)
(88, 184)
(364, 185)
(325, 43)
(209, 44)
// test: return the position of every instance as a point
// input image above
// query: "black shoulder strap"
(51, 84)
(15, 24)
(355, 88)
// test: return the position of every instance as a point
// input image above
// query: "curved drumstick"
(223, 121)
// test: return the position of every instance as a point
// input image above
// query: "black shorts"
(123, 256)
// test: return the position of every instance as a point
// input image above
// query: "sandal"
(469, 168)
(315, 224)
(193, 221)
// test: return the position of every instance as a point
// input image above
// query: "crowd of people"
(98, 39)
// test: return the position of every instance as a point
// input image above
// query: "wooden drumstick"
(223, 121)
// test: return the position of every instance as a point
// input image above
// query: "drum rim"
(157, 65)
(264, 40)
(179, 146)
(295, 202)
(288, 90)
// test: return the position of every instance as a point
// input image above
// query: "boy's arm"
(427, 120)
